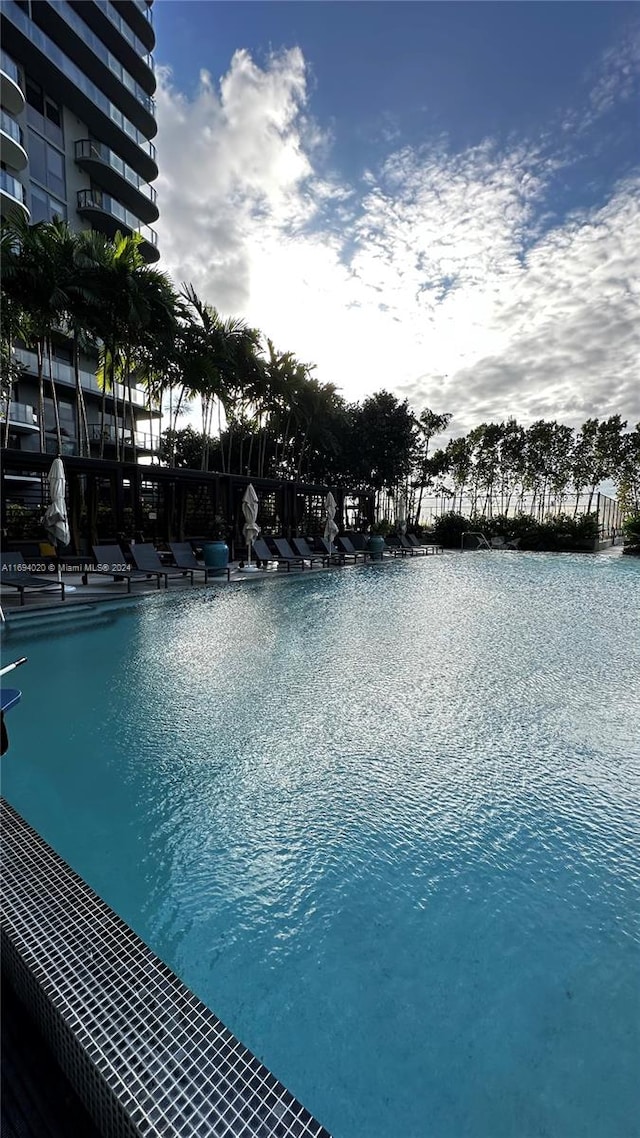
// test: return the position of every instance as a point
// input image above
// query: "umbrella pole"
(69, 588)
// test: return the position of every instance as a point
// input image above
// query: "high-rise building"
(76, 129)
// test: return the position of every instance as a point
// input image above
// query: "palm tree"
(38, 275)
(220, 360)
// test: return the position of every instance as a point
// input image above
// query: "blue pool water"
(384, 821)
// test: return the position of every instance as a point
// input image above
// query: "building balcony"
(138, 16)
(111, 172)
(13, 197)
(64, 374)
(69, 29)
(143, 439)
(74, 88)
(11, 94)
(22, 417)
(13, 151)
(110, 216)
(120, 38)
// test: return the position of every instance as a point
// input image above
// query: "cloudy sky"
(442, 199)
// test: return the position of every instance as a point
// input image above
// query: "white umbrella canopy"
(330, 529)
(250, 529)
(56, 522)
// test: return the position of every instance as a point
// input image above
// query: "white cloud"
(432, 276)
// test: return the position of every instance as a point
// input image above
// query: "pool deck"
(105, 590)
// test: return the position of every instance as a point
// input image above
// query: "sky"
(438, 199)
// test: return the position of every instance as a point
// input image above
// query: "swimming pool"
(383, 821)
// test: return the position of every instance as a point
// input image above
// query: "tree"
(430, 424)
(386, 433)
(628, 476)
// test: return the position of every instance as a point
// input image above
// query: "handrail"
(474, 533)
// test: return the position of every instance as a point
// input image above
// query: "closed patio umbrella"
(250, 529)
(56, 522)
(330, 529)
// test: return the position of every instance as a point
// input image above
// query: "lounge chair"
(263, 554)
(16, 574)
(410, 547)
(428, 546)
(185, 559)
(111, 562)
(392, 545)
(359, 542)
(145, 558)
(301, 546)
(338, 556)
(345, 544)
(286, 553)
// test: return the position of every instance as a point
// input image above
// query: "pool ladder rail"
(483, 543)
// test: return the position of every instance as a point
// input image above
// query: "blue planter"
(376, 546)
(216, 554)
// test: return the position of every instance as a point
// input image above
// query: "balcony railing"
(51, 50)
(109, 433)
(11, 127)
(13, 187)
(19, 413)
(87, 148)
(96, 199)
(126, 32)
(144, 440)
(63, 373)
(9, 67)
(75, 21)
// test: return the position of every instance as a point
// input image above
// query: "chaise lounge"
(263, 554)
(346, 546)
(185, 559)
(301, 547)
(111, 562)
(145, 558)
(15, 573)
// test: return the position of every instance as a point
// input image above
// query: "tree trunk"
(54, 398)
(40, 359)
(83, 424)
(6, 422)
(132, 416)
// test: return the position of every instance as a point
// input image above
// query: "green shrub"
(631, 529)
(449, 528)
(383, 527)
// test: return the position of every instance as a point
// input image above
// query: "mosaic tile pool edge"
(144, 1054)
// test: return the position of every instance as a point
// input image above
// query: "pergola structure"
(109, 500)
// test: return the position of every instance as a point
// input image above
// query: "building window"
(46, 165)
(44, 207)
(43, 113)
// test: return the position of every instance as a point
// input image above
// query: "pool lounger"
(16, 577)
(410, 547)
(286, 553)
(346, 546)
(301, 546)
(185, 558)
(146, 560)
(113, 563)
(262, 553)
